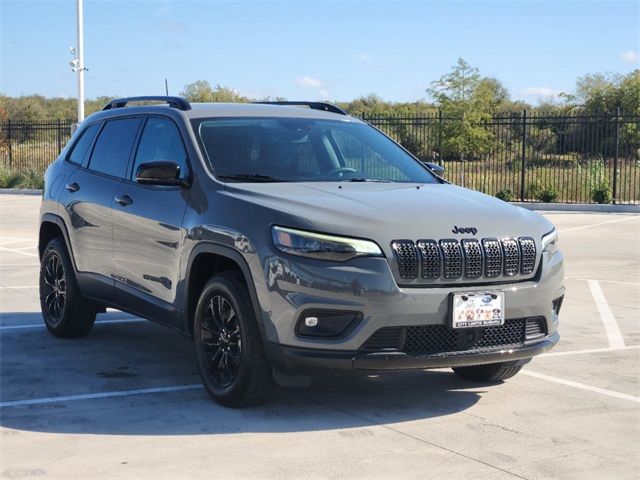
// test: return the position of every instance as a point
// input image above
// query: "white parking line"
(19, 287)
(619, 282)
(12, 265)
(102, 322)
(26, 248)
(610, 325)
(18, 251)
(581, 227)
(582, 386)
(92, 396)
(591, 350)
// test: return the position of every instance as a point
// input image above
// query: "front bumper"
(307, 361)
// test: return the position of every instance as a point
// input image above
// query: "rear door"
(148, 232)
(88, 200)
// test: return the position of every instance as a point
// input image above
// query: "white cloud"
(365, 57)
(545, 93)
(309, 82)
(630, 56)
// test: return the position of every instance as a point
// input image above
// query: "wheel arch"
(52, 226)
(207, 259)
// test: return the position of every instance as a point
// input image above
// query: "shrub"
(533, 190)
(547, 194)
(27, 179)
(505, 194)
(8, 178)
(601, 193)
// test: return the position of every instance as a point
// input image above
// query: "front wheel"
(231, 358)
(493, 372)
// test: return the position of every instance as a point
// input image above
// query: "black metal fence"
(540, 156)
(32, 146)
(572, 158)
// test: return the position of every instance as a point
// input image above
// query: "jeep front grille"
(468, 258)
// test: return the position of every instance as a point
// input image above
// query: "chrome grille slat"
(511, 256)
(528, 255)
(430, 258)
(468, 258)
(452, 256)
(407, 258)
(492, 257)
(472, 257)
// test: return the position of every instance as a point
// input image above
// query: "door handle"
(73, 187)
(124, 200)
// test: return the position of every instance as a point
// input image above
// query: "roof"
(203, 110)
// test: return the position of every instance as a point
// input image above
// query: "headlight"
(322, 246)
(550, 242)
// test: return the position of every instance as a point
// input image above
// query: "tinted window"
(113, 147)
(304, 150)
(161, 140)
(81, 147)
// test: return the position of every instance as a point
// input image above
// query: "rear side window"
(82, 146)
(113, 147)
(161, 140)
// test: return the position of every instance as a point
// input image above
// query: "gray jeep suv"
(289, 242)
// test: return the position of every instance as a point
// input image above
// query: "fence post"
(615, 158)
(524, 154)
(441, 160)
(59, 139)
(9, 142)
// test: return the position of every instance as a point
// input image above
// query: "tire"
(66, 313)
(493, 372)
(229, 350)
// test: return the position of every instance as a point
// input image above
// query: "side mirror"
(162, 172)
(435, 168)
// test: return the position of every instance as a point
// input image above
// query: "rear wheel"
(231, 358)
(493, 372)
(66, 313)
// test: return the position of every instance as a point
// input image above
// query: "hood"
(387, 211)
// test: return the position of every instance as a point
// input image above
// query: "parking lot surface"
(126, 401)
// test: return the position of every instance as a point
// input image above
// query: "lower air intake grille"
(437, 339)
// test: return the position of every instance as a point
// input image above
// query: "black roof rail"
(327, 107)
(174, 102)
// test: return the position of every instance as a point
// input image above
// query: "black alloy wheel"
(221, 341)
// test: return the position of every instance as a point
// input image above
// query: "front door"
(148, 232)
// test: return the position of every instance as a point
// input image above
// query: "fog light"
(311, 322)
(326, 323)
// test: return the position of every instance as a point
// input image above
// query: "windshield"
(304, 150)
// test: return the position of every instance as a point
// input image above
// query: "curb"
(20, 191)
(579, 207)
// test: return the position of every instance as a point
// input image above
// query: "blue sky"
(334, 50)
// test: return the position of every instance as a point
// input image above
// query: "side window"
(161, 140)
(81, 147)
(113, 147)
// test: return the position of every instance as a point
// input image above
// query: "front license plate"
(477, 309)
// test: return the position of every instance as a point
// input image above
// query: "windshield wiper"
(366, 180)
(253, 177)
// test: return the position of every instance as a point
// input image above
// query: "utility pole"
(77, 64)
(80, 62)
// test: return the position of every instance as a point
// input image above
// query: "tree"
(201, 91)
(467, 101)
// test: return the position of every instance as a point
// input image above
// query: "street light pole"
(80, 66)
